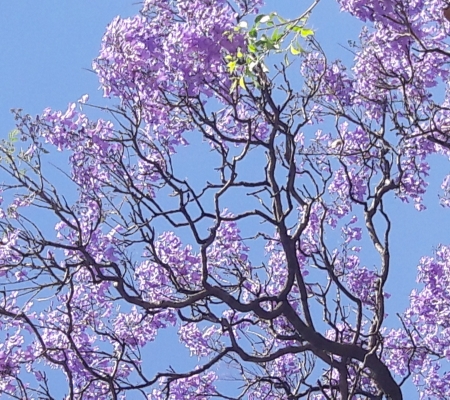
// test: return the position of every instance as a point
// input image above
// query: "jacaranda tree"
(238, 192)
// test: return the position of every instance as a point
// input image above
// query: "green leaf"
(307, 32)
(259, 18)
(232, 66)
(270, 45)
(295, 28)
(276, 36)
(252, 48)
(261, 42)
(242, 82)
(12, 136)
(264, 19)
(290, 27)
(295, 51)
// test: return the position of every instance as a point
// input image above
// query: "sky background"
(46, 49)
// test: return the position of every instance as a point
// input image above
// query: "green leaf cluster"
(270, 33)
(12, 136)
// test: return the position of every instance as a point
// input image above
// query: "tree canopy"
(239, 192)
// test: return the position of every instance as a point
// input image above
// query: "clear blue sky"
(44, 46)
(47, 45)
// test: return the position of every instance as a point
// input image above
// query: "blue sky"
(47, 46)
